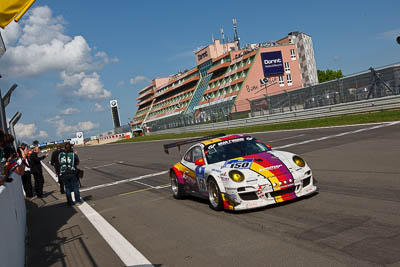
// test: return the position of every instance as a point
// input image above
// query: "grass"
(380, 116)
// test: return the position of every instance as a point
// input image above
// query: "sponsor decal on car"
(238, 164)
(274, 167)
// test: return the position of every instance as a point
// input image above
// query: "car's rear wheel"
(214, 195)
(178, 190)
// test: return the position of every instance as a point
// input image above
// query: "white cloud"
(69, 111)
(55, 118)
(138, 79)
(392, 34)
(98, 107)
(38, 45)
(12, 33)
(121, 83)
(89, 87)
(43, 134)
(62, 128)
(29, 131)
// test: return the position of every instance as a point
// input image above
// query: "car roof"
(224, 138)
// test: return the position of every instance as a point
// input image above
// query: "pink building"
(226, 79)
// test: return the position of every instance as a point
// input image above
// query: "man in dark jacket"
(56, 164)
(36, 170)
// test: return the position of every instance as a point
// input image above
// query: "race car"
(239, 172)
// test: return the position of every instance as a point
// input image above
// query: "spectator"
(56, 164)
(8, 159)
(37, 171)
(26, 177)
(68, 168)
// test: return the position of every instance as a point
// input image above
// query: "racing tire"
(214, 195)
(178, 190)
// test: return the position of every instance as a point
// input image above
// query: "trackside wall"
(12, 223)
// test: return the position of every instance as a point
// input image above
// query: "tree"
(328, 75)
(35, 143)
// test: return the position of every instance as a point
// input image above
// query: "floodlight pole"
(4, 101)
(14, 120)
(3, 120)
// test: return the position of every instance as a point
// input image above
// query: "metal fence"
(370, 105)
(369, 84)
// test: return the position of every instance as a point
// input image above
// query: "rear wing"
(189, 141)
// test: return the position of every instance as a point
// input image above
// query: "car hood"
(267, 165)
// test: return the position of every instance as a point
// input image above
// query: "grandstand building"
(225, 80)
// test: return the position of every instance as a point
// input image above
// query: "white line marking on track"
(277, 131)
(101, 166)
(124, 181)
(338, 135)
(281, 139)
(162, 186)
(128, 254)
(145, 184)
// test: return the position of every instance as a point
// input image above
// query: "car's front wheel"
(178, 190)
(214, 195)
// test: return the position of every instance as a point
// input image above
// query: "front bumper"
(234, 200)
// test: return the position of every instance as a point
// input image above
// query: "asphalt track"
(354, 220)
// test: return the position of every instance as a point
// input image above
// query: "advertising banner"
(272, 63)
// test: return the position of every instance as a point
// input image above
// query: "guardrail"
(12, 223)
(376, 104)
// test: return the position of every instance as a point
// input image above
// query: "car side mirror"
(199, 162)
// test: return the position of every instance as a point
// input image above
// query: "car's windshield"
(233, 148)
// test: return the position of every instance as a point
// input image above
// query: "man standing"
(26, 177)
(68, 165)
(56, 164)
(36, 170)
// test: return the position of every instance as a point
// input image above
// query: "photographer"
(68, 170)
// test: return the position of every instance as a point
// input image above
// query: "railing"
(376, 104)
(12, 223)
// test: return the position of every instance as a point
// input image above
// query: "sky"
(70, 58)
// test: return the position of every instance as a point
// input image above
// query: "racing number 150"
(240, 165)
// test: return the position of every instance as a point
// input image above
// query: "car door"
(189, 174)
(200, 170)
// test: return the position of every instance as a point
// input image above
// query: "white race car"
(239, 172)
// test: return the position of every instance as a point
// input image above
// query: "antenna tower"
(236, 37)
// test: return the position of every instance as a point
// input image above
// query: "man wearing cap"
(56, 164)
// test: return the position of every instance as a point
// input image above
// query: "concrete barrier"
(12, 223)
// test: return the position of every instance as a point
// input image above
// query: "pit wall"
(12, 223)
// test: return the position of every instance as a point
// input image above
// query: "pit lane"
(354, 220)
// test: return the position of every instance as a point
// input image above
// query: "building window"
(287, 67)
(289, 79)
(281, 81)
(292, 54)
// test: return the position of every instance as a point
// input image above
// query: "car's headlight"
(236, 176)
(299, 161)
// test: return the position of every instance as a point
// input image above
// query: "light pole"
(3, 104)
(208, 101)
(12, 123)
